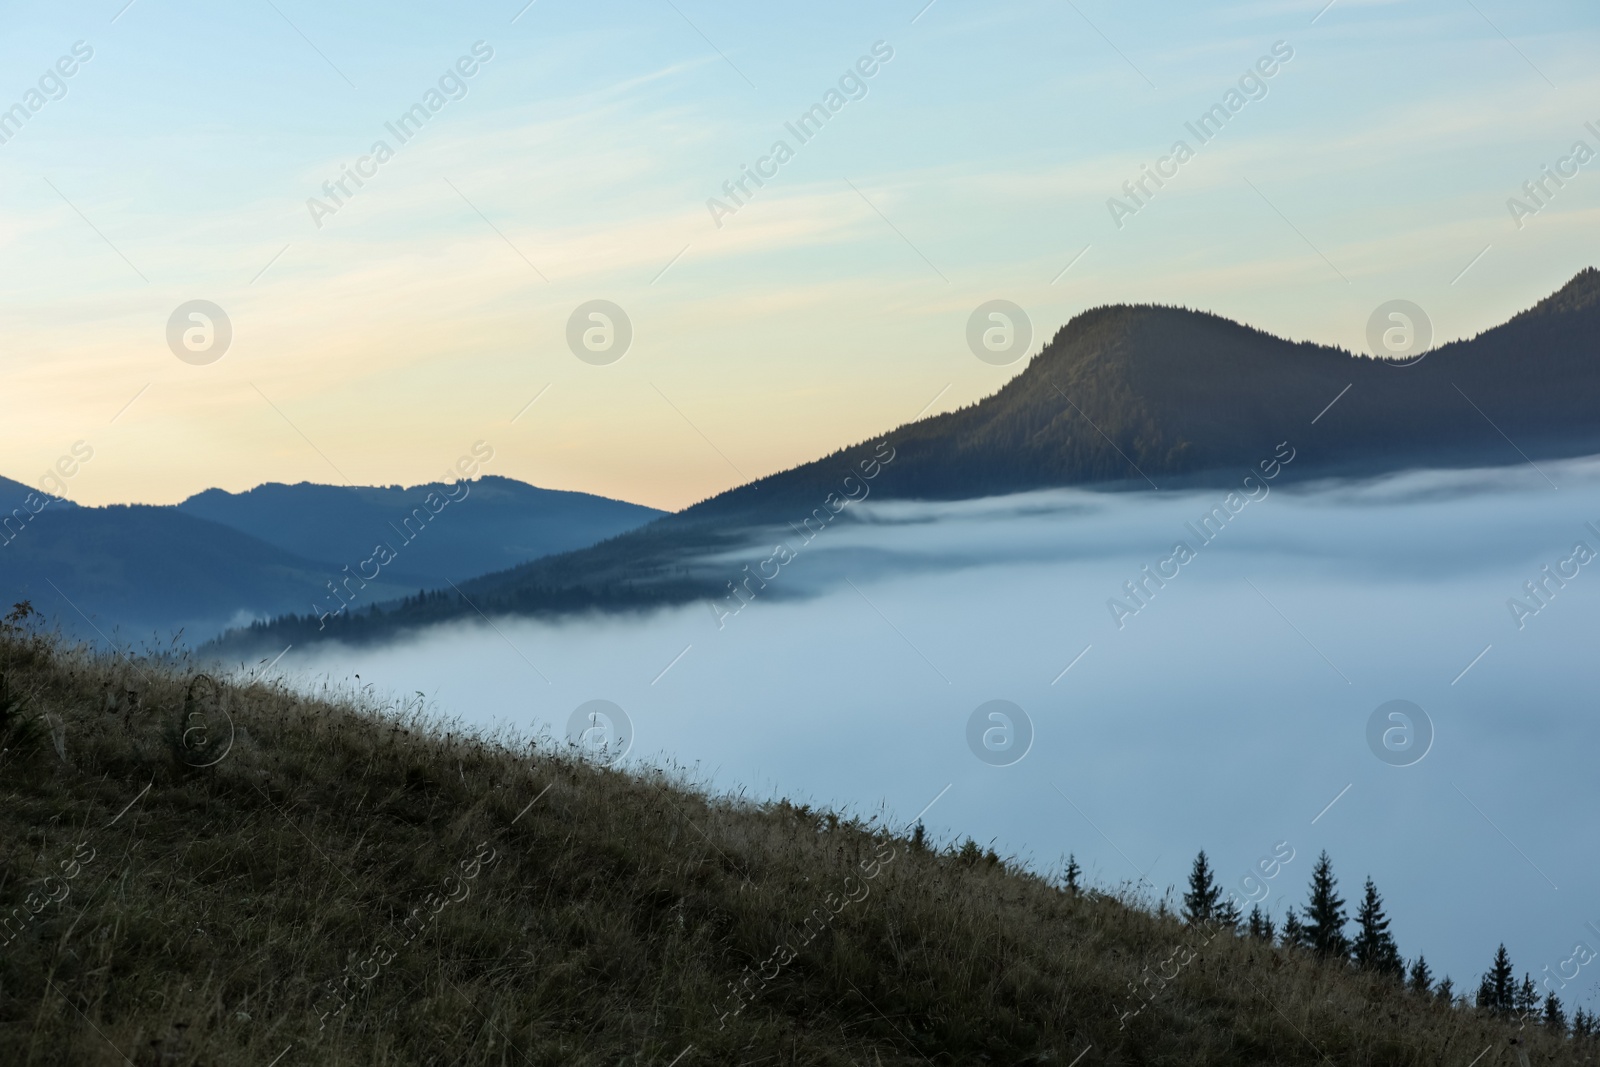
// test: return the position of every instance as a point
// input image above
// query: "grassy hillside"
(238, 875)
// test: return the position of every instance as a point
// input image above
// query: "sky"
(376, 338)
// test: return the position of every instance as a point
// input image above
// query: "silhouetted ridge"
(220, 557)
(1122, 396)
(1582, 293)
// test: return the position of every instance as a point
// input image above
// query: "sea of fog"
(1233, 711)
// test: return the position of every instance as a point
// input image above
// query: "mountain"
(1125, 394)
(1122, 397)
(140, 570)
(222, 559)
(243, 872)
(14, 495)
(497, 523)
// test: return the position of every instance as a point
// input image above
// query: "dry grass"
(606, 923)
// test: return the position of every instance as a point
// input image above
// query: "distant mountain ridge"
(511, 522)
(1121, 396)
(13, 493)
(220, 559)
(125, 571)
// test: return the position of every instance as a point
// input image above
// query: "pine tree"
(1260, 925)
(1555, 1019)
(1073, 872)
(1527, 997)
(1421, 976)
(1325, 915)
(1445, 991)
(1228, 914)
(1582, 1024)
(1498, 990)
(1374, 947)
(1200, 902)
(1294, 932)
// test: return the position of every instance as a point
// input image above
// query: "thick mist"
(1230, 711)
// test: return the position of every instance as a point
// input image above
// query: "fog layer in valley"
(1227, 712)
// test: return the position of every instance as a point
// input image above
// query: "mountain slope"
(12, 494)
(1166, 391)
(1123, 397)
(497, 523)
(233, 876)
(142, 569)
(221, 559)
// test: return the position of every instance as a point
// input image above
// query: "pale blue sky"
(431, 309)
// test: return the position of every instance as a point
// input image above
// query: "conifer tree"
(1294, 932)
(1325, 915)
(1498, 990)
(1260, 925)
(1073, 873)
(1228, 914)
(1374, 948)
(1445, 991)
(1200, 902)
(1527, 997)
(1582, 1024)
(1421, 976)
(1555, 1018)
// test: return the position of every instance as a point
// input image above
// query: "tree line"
(1322, 926)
